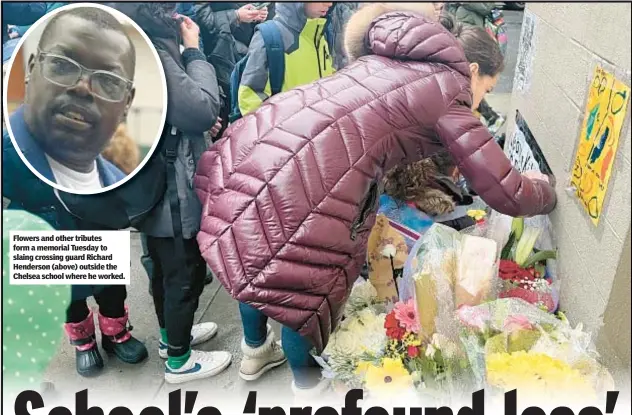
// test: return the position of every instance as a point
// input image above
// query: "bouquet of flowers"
(434, 367)
(512, 344)
(445, 270)
(523, 268)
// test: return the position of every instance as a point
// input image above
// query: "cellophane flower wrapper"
(360, 336)
(499, 228)
(512, 325)
(437, 277)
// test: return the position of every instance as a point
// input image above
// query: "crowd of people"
(289, 117)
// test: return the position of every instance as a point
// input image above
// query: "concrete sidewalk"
(145, 381)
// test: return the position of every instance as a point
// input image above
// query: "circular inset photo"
(85, 98)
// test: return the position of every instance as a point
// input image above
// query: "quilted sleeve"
(486, 168)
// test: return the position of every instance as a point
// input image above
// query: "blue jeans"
(296, 348)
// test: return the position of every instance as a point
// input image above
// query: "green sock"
(163, 336)
(178, 362)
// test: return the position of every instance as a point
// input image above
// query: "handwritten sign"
(523, 150)
(599, 139)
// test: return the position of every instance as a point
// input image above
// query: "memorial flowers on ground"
(522, 268)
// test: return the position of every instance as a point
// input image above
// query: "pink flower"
(407, 316)
(473, 317)
(517, 323)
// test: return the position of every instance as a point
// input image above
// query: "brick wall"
(570, 40)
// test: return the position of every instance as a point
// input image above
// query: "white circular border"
(44, 19)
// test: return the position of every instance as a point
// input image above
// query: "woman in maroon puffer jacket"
(290, 192)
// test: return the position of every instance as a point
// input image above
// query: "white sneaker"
(200, 365)
(200, 333)
(257, 361)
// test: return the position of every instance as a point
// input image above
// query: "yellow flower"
(476, 214)
(389, 379)
(536, 374)
(362, 368)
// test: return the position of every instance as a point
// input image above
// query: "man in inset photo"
(78, 91)
(79, 87)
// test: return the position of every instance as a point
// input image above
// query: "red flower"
(393, 329)
(413, 352)
(510, 271)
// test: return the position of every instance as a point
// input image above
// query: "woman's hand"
(216, 128)
(190, 32)
(249, 14)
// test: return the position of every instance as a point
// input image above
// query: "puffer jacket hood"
(360, 23)
(290, 192)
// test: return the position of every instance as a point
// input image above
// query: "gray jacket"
(340, 15)
(193, 107)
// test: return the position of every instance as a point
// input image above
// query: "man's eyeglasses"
(65, 72)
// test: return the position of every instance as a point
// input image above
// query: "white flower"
(445, 345)
(389, 251)
(430, 351)
(363, 291)
(344, 342)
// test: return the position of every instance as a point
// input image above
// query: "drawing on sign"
(526, 53)
(598, 140)
(524, 152)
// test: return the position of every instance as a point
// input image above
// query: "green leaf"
(517, 227)
(539, 257)
(506, 252)
(524, 249)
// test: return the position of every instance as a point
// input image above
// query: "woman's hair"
(479, 46)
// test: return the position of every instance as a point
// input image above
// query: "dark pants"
(111, 301)
(296, 348)
(177, 284)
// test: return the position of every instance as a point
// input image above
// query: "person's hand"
(216, 128)
(249, 14)
(190, 32)
(536, 175)
(263, 14)
(12, 31)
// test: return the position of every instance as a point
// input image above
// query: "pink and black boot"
(117, 339)
(81, 335)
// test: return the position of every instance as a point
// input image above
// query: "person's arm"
(210, 20)
(487, 169)
(254, 88)
(482, 9)
(193, 101)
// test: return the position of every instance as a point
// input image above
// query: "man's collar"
(32, 152)
(27, 145)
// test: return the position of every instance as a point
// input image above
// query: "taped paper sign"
(526, 53)
(599, 139)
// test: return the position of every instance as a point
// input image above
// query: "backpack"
(495, 26)
(275, 53)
